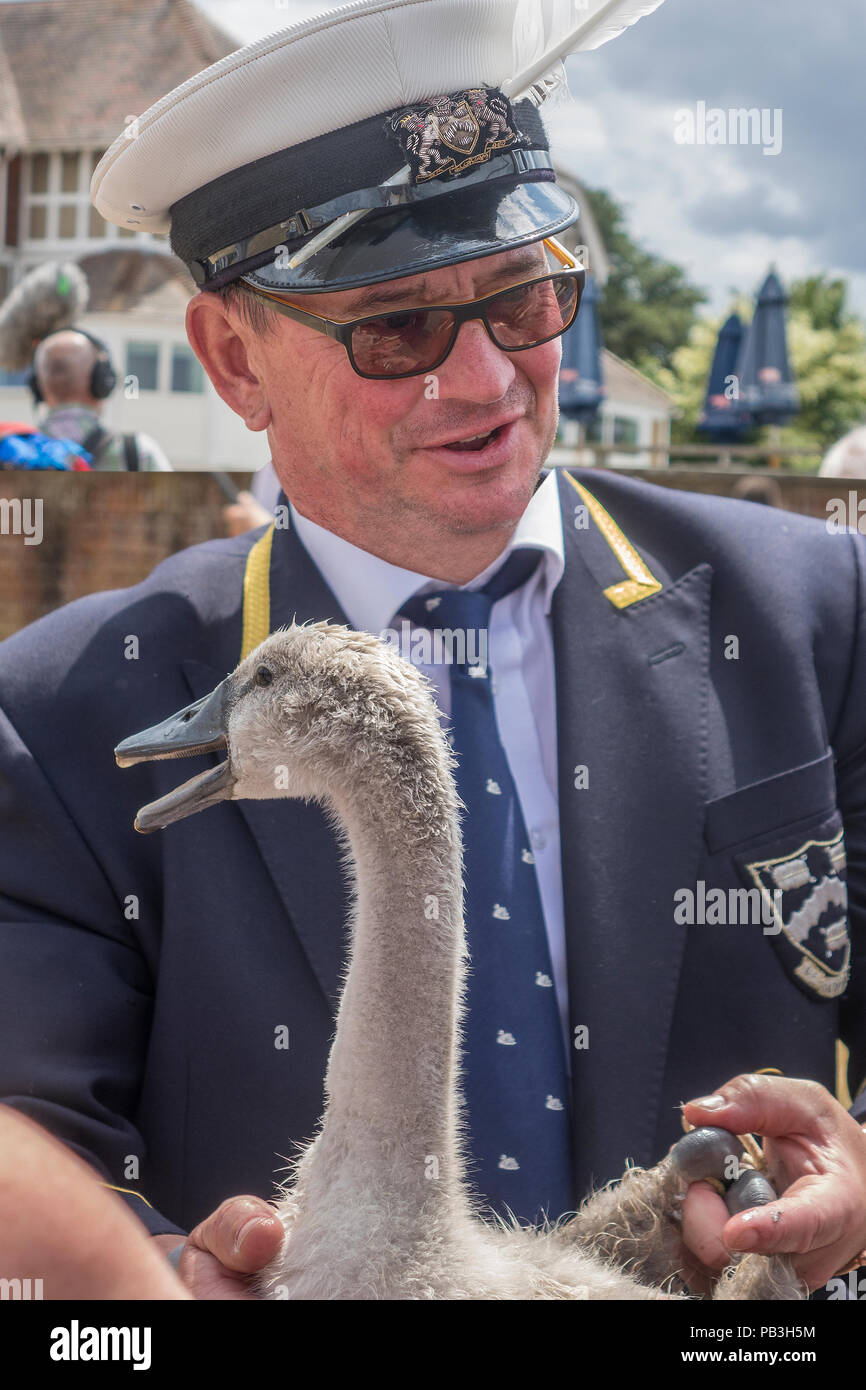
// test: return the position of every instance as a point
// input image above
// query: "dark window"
(68, 218)
(39, 173)
(14, 378)
(36, 230)
(624, 430)
(142, 362)
(69, 173)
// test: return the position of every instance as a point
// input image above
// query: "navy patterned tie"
(515, 1077)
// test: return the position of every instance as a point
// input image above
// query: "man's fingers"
(804, 1230)
(806, 1218)
(704, 1218)
(768, 1105)
(814, 1261)
(817, 1155)
(244, 1234)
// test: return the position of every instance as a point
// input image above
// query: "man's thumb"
(244, 1234)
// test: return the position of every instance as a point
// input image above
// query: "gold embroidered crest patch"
(455, 132)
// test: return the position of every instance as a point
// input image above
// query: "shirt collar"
(370, 590)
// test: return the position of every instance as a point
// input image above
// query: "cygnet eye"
(264, 675)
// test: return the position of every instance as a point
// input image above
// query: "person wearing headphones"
(73, 374)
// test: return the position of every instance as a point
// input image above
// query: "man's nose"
(475, 369)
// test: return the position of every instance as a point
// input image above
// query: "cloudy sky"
(722, 211)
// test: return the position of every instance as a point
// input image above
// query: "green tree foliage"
(827, 347)
(821, 299)
(828, 352)
(649, 307)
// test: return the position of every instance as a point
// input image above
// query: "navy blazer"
(722, 723)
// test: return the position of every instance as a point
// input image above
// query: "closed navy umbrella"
(724, 416)
(768, 390)
(581, 386)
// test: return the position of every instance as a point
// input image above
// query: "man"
(73, 375)
(676, 681)
(847, 457)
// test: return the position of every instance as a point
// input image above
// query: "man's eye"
(517, 295)
(400, 323)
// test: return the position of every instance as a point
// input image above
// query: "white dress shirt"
(520, 650)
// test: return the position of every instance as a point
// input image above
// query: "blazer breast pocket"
(785, 840)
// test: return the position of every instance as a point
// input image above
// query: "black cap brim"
(463, 226)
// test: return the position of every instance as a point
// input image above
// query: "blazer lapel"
(296, 843)
(632, 687)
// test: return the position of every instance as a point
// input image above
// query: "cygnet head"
(316, 711)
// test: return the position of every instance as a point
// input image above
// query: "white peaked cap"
(272, 145)
(319, 75)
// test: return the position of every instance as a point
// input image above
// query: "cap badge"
(455, 132)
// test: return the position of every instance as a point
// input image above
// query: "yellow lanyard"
(257, 594)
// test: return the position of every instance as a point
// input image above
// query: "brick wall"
(107, 531)
(801, 492)
(99, 531)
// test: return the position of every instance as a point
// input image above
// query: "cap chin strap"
(324, 218)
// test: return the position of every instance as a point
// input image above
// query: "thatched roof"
(72, 71)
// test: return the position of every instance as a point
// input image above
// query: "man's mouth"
(477, 442)
(479, 452)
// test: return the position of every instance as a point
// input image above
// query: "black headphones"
(103, 378)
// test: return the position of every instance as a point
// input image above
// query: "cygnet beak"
(199, 728)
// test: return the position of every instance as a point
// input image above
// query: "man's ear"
(219, 342)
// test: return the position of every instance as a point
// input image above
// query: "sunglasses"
(412, 342)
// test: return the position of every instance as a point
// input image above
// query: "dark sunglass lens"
(399, 343)
(533, 313)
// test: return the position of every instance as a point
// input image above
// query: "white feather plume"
(547, 31)
(51, 297)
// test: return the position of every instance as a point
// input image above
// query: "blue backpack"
(21, 446)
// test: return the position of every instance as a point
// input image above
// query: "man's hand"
(244, 514)
(242, 1236)
(816, 1156)
(60, 1225)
